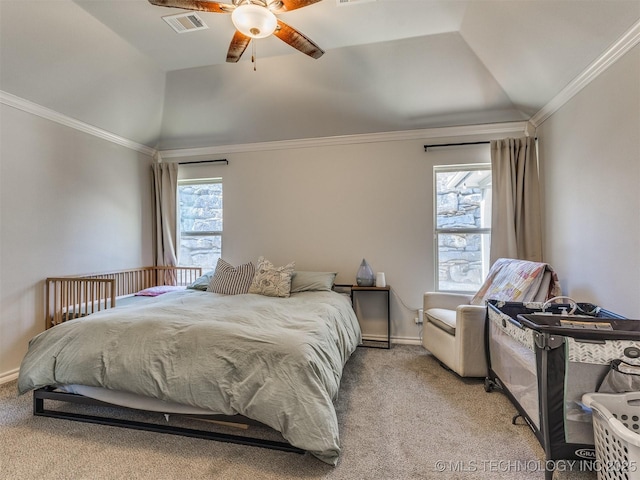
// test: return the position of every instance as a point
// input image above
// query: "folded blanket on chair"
(517, 281)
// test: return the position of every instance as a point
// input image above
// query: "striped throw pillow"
(230, 280)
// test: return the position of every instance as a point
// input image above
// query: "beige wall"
(69, 203)
(327, 208)
(590, 161)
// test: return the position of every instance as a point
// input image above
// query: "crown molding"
(431, 133)
(625, 43)
(425, 134)
(35, 109)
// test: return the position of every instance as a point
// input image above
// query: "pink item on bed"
(159, 290)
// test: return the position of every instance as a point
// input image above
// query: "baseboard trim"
(9, 376)
(397, 340)
(406, 340)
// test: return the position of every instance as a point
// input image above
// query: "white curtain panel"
(516, 224)
(165, 183)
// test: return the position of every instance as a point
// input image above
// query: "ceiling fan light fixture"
(254, 21)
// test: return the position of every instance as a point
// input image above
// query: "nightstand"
(355, 290)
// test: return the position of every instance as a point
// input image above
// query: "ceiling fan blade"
(281, 6)
(238, 45)
(297, 40)
(199, 5)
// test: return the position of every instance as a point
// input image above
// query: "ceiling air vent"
(185, 22)
(351, 2)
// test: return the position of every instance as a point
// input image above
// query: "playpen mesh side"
(513, 360)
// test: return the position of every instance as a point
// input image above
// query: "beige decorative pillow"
(272, 281)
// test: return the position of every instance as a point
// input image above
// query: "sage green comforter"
(275, 360)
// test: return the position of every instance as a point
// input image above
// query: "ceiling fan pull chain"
(253, 54)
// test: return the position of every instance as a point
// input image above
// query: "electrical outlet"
(418, 319)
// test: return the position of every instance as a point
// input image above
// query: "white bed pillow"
(230, 280)
(202, 282)
(272, 281)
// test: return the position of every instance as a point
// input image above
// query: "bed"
(277, 361)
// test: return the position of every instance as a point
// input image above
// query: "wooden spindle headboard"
(75, 296)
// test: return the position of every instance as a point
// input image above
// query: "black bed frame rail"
(48, 393)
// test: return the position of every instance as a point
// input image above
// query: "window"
(462, 226)
(200, 204)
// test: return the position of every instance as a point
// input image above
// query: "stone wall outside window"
(200, 214)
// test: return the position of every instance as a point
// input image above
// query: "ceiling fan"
(253, 19)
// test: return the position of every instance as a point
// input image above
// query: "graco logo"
(586, 453)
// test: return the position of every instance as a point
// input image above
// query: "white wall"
(328, 207)
(590, 161)
(70, 203)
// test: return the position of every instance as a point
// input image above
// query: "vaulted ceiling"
(390, 65)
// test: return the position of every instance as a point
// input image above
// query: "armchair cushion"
(442, 318)
(450, 301)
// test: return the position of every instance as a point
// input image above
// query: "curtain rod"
(455, 144)
(460, 144)
(224, 160)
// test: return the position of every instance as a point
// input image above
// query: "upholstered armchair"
(454, 324)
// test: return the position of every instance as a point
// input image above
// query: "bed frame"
(50, 394)
(79, 295)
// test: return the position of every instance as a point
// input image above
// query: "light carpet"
(401, 416)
